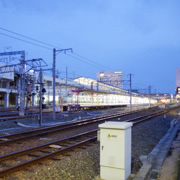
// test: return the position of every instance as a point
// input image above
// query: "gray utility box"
(115, 150)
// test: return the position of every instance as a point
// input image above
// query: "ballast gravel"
(83, 164)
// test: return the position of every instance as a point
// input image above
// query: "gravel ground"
(11, 125)
(33, 122)
(83, 164)
(146, 135)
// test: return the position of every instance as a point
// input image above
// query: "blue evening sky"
(141, 37)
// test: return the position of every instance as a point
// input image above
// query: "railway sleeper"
(20, 160)
(67, 155)
(56, 159)
(34, 155)
(43, 151)
(5, 165)
(29, 170)
(82, 148)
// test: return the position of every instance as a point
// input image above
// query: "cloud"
(115, 33)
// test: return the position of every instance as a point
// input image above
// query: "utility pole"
(33, 87)
(54, 85)
(130, 91)
(149, 96)
(55, 51)
(40, 102)
(22, 87)
(66, 78)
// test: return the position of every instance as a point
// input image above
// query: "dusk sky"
(141, 37)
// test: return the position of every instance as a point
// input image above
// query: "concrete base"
(108, 173)
(144, 170)
(153, 162)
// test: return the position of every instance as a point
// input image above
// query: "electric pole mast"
(40, 102)
(66, 78)
(54, 85)
(54, 76)
(149, 96)
(130, 91)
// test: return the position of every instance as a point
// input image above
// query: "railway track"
(12, 162)
(54, 128)
(21, 159)
(15, 116)
(5, 139)
(146, 117)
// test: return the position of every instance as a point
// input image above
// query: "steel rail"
(37, 159)
(10, 117)
(15, 116)
(52, 129)
(18, 153)
(19, 166)
(137, 120)
(146, 117)
(45, 130)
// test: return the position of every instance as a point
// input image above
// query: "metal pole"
(130, 94)
(40, 103)
(66, 79)
(54, 82)
(33, 88)
(149, 96)
(22, 88)
(54, 76)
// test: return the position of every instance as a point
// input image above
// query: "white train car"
(84, 98)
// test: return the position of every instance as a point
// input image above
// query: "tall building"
(113, 78)
(178, 81)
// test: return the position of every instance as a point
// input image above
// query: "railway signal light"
(43, 90)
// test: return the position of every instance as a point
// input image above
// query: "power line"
(82, 57)
(45, 48)
(29, 38)
(79, 57)
(83, 60)
(25, 41)
(90, 60)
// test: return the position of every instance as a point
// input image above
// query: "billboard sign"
(6, 72)
(8, 57)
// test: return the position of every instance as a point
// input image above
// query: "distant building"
(178, 81)
(113, 78)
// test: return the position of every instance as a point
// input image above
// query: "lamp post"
(55, 53)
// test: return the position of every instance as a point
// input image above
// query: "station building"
(89, 92)
(82, 91)
(8, 89)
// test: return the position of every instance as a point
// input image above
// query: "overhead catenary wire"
(63, 74)
(25, 41)
(79, 57)
(82, 60)
(50, 47)
(29, 38)
(90, 60)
